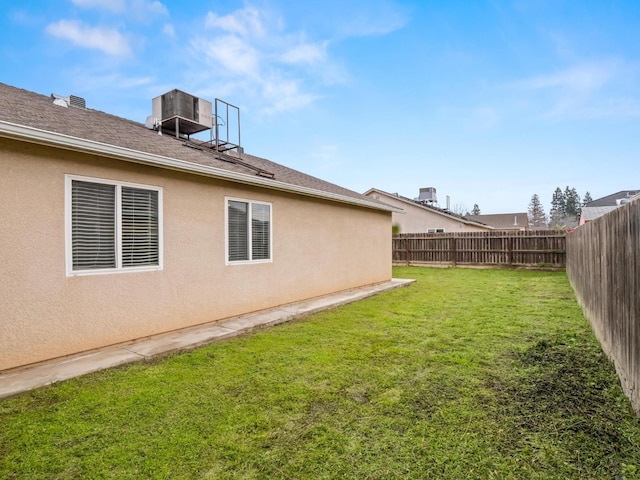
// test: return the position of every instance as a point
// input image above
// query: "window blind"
(139, 227)
(238, 215)
(113, 226)
(260, 231)
(93, 225)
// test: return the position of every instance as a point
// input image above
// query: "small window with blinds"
(248, 227)
(112, 226)
(139, 227)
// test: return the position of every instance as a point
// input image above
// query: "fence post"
(453, 250)
(510, 250)
(406, 249)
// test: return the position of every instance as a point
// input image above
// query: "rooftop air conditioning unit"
(181, 112)
(428, 194)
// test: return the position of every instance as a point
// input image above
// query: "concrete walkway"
(46, 373)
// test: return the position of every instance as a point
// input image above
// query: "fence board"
(603, 264)
(496, 247)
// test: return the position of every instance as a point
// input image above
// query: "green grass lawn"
(464, 374)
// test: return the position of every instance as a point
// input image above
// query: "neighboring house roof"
(430, 208)
(503, 220)
(591, 213)
(34, 118)
(604, 205)
(613, 200)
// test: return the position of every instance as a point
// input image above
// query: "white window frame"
(435, 230)
(250, 236)
(118, 233)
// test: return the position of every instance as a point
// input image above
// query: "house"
(424, 217)
(601, 206)
(113, 231)
(504, 221)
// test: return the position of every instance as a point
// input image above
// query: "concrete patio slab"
(57, 370)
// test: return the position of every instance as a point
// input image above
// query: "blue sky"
(487, 101)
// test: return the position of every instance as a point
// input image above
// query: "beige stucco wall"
(319, 247)
(417, 219)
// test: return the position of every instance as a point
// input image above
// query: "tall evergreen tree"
(572, 203)
(475, 210)
(558, 208)
(537, 217)
(587, 198)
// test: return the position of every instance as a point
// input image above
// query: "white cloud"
(306, 53)
(102, 79)
(285, 95)
(245, 22)
(486, 117)
(327, 153)
(23, 18)
(268, 64)
(232, 54)
(108, 40)
(154, 7)
(369, 18)
(563, 46)
(133, 8)
(169, 30)
(277, 68)
(579, 78)
(110, 5)
(605, 108)
(328, 158)
(586, 90)
(627, 107)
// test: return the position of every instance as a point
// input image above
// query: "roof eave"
(44, 137)
(415, 204)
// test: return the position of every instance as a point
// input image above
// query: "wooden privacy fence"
(504, 247)
(603, 266)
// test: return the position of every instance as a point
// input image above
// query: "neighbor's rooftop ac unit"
(428, 194)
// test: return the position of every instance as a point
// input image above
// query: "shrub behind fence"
(516, 248)
(603, 263)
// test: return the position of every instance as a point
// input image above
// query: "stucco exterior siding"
(318, 247)
(418, 219)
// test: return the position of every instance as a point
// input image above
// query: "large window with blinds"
(248, 226)
(112, 226)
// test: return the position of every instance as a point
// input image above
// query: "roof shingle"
(612, 200)
(25, 108)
